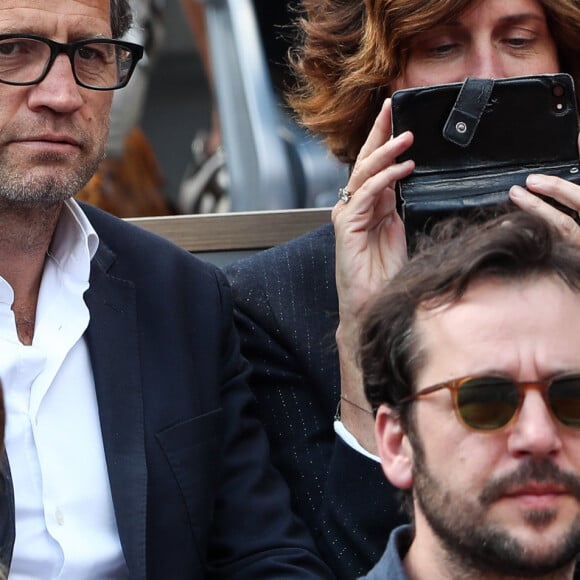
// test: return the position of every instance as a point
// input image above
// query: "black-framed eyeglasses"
(488, 403)
(101, 64)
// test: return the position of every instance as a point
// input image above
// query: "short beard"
(26, 192)
(473, 544)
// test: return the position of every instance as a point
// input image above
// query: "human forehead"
(495, 9)
(528, 329)
(57, 19)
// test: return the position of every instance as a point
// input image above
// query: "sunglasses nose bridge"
(536, 389)
(534, 429)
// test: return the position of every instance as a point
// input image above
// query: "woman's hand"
(563, 191)
(370, 249)
(370, 237)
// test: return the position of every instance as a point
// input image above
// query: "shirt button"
(59, 517)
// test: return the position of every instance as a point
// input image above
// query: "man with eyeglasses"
(471, 363)
(132, 446)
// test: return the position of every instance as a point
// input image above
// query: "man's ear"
(394, 448)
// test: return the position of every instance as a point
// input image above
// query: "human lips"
(49, 141)
(537, 495)
(533, 485)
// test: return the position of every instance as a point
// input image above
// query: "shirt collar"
(73, 246)
(391, 563)
(74, 238)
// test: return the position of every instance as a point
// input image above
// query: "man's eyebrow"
(80, 36)
(27, 29)
(18, 30)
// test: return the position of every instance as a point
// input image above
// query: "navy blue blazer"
(193, 490)
(287, 314)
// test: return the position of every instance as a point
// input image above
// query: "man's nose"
(535, 432)
(58, 90)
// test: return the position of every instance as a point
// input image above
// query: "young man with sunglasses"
(292, 300)
(470, 361)
(131, 439)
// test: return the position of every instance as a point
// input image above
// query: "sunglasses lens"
(488, 403)
(564, 397)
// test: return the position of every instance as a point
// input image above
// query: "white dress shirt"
(65, 522)
(352, 441)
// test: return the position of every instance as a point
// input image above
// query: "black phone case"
(476, 139)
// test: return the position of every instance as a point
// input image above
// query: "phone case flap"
(464, 118)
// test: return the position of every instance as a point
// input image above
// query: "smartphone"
(476, 139)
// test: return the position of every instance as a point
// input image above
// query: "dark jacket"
(193, 491)
(287, 314)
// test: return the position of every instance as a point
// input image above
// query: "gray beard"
(30, 192)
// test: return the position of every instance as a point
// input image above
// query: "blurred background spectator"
(130, 182)
(205, 184)
(165, 128)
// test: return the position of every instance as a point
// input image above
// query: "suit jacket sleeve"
(286, 313)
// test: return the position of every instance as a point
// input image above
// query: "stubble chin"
(46, 180)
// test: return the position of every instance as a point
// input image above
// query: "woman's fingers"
(563, 191)
(381, 158)
(370, 237)
(373, 200)
(380, 132)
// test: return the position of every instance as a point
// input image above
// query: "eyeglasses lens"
(22, 59)
(487, 403)
(564, 397)
(100, 64)
(96, 64)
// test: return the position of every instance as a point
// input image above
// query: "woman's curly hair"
(349, 51)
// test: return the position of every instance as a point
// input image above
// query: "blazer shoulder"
(312, 252)
(120, 241)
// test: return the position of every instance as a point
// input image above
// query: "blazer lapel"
(113, 346)
(7, 513)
